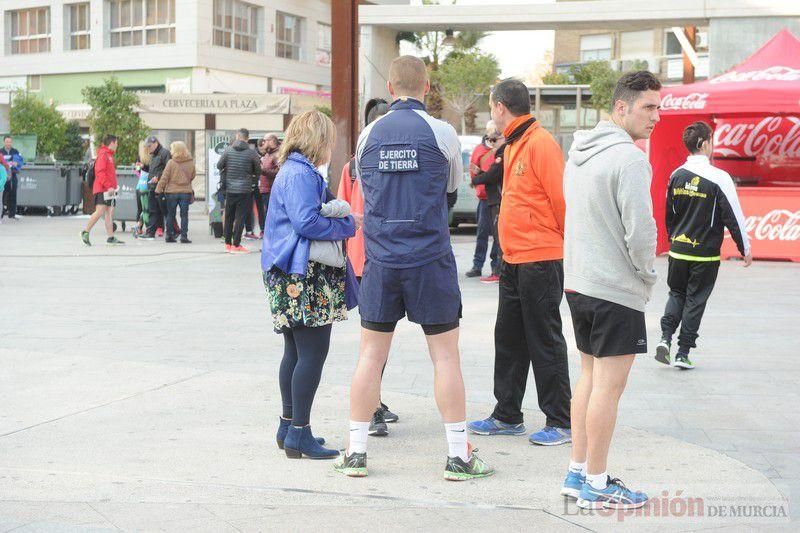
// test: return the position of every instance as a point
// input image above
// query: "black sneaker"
(170, 239)
(474, 273)
(147, 237)
(682, 361)
(662, 351)
(113, 241)
(353, 465)
(389, 416)
(377, 426)
(85, 238)
(458, 470)
(185, 240)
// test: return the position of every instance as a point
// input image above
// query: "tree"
(113, 112)
(464, 79)
(74, 147)
(598, 75)
(29, 115)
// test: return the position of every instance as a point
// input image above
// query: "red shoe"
(159, 232)
(239, 250)
(494, 278)
(228, 248)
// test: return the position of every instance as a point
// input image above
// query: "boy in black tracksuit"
(701, 203)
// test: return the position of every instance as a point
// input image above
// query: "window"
(596, 47)
(35, 83)
(323, 45)
(76, 22)
(289, 36)
(236, 25)
(30, 31)
(138, 22)
(672, 47)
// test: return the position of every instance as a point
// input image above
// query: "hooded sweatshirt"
(610, 234)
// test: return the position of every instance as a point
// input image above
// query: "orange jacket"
(350, 192)
(531, 222)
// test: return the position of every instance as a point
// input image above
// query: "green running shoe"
(85, 238)
(457, 470)
(682, 361)
(353, 465)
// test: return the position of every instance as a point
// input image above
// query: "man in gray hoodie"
(609, 248)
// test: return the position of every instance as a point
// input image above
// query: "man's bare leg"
(580, 402)
(99, 211)
(448, 383)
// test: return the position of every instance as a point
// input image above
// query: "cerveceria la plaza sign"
(211, 104)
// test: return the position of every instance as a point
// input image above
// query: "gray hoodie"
(609, 234)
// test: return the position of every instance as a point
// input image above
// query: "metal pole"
(344, 83)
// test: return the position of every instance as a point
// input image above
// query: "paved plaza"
(138, 391)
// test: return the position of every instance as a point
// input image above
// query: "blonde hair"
(144, 154)
(310, 133)
(408, 75)
(179, 148)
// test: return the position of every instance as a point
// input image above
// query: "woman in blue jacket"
(306, 296)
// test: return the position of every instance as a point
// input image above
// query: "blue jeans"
(173, 201)
(485, 225)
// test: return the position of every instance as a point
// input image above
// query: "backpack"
(90, 173)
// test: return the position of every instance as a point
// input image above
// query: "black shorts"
(604, 328)
(99, 200)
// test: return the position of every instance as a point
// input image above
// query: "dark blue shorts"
(428, 294)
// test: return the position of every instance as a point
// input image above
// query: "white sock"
(578, 468)
(358, 437)
(597, 481)
(457, 439)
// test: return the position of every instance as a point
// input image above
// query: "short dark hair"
(375, 108)
(244, 132)
(695, 135)
(632, 84)
(514, 95)
(7, 137)
(108, 139)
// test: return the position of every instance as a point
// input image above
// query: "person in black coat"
(157, 207)
(239, 168)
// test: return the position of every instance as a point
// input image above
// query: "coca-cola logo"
(690, 101)
(765, 138)
(776, 73)
(776, 225)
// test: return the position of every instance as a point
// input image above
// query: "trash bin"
(42, 186)
(74, 189)
(126, 211)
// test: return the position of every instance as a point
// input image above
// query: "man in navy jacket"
(15, 162)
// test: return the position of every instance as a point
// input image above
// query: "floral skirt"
(314, 300)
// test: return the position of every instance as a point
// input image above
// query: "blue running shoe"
(492, 426)
(550, 436)
(573, 484)
(615, 496)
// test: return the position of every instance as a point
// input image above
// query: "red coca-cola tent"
(755, 110)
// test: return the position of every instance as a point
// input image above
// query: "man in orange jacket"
(531, 229)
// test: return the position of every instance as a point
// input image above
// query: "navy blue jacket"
(293, 218)
(407, 161)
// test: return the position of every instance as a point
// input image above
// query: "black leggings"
(304, 354)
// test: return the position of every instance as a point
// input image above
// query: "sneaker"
(147, 237)
(85, 238)
(377, 426)
(353, 465)
(185, 240)
(473, 273)
(682, 361)
(159, 232)
(550, 436)
(615, 496)
(662, 351)
(113, 241)
(492, 426)
(573, 484)
(238, 250)
(458, 470)
(494, 278)
(389, 416)
(170, 239)
(251, 236)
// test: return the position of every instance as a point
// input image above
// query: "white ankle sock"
(457, 439)
(578, 468)
(597, 481)
(358, 437)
